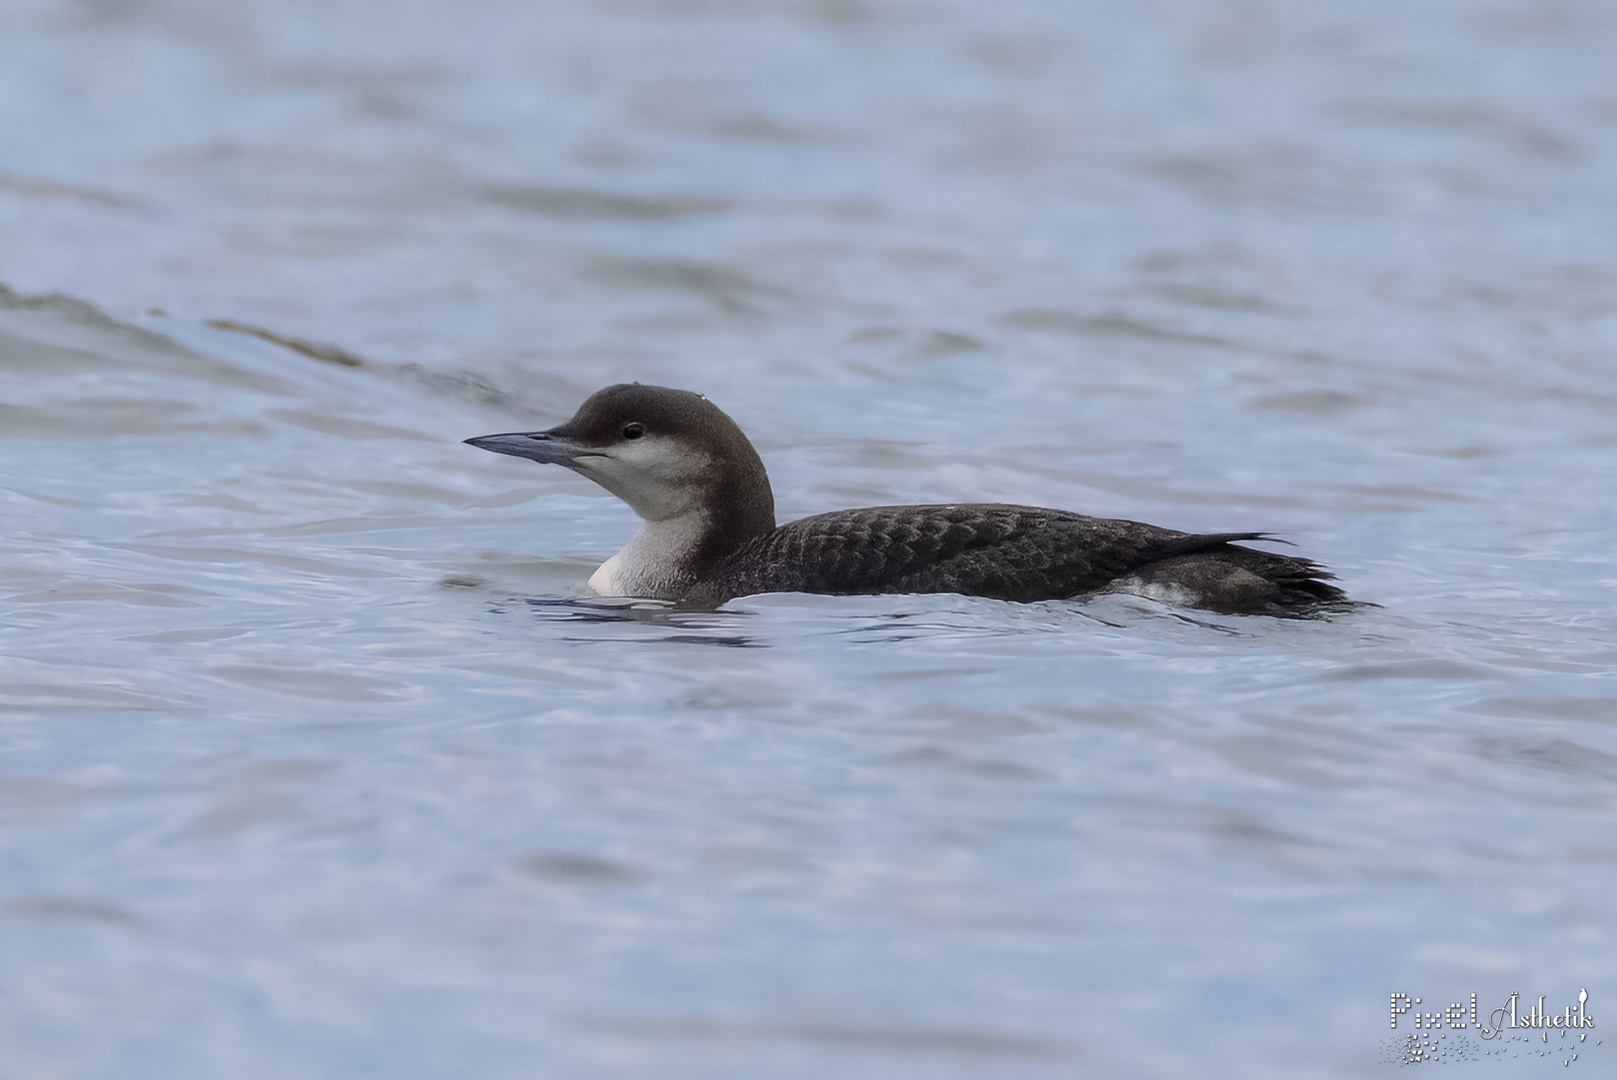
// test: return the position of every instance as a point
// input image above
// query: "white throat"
(656, 563)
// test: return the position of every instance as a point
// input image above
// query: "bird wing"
(996, 550)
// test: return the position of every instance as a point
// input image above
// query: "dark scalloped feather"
(1019, 553)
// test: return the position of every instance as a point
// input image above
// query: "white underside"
(1163, 593)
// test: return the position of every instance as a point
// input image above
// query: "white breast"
(656, 563)
(605, 579)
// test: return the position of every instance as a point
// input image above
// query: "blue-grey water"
(312, 764)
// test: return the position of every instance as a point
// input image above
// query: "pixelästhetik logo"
(1511, 1030)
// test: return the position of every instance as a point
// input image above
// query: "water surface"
(315, 762)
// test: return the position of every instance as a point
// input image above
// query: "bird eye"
(633, 431)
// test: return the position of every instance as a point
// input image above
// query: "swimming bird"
(709, 531)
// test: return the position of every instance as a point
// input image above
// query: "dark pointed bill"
(544, 446)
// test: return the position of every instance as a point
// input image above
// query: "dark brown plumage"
(1022, 553)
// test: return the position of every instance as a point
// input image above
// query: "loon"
(709, 529)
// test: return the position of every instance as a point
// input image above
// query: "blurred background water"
(312, 765)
